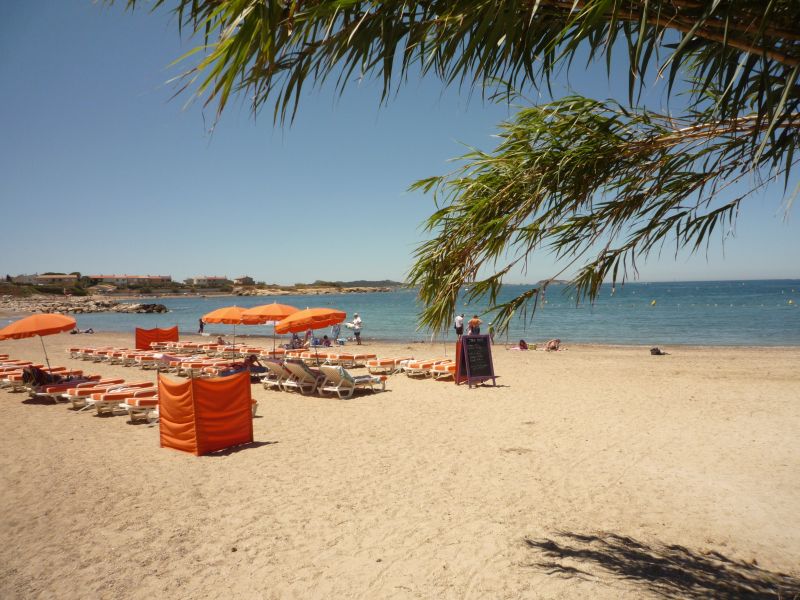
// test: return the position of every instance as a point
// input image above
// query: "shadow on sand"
(235, 449)
(670, 571)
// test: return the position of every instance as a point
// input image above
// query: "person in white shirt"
(357, 328)
(459, 325)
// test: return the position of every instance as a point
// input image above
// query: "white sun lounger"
(302, 377)
(340, 382)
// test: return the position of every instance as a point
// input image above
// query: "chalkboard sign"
(474, 360)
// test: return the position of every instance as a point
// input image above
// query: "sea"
(717, 313)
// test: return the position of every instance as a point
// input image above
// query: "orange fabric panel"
(145, 336)
(205, 415)
(223, 412)
(176, 415)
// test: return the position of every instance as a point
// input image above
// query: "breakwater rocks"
(74, 304)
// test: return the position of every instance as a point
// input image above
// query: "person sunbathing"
(553, 345)
(253, 364)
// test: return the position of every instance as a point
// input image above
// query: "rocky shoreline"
(74, 305)
(95, 304)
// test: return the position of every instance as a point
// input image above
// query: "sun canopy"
(230, 315)
(39, 324)
(310, 318)
(268, 312)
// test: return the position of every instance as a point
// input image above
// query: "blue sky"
(101, 171)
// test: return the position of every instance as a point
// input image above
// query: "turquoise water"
(740, 313)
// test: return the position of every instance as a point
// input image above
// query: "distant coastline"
(113, 302)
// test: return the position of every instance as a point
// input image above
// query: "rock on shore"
(73, 304)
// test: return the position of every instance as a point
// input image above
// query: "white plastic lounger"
(140, 408)
(422, 368)
(387, 366)
(340, 382)
(443, 370)
(302, 377)
(107, 402)
(275, 375)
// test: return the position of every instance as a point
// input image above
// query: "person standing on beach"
(200, 330)
(474, 325)
(459, 325)
(357, 328)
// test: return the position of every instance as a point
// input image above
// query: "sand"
(597, 472)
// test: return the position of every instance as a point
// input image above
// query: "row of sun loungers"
(209, 360)
(106, 396)
(327, 379)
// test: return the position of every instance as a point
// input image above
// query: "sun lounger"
(78, 395)
(302, 377)
(140, 407)
(194, 368)
(275, 375)
(315, 358)
(280, 353)
(14, 380)
(9, 368)
(386, 366)
(17, 383)
(422, 368)
(56, 391)
(443, 370)
(342, 383)
(107, 402)
(106, 354)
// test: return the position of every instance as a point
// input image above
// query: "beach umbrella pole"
(47, 360)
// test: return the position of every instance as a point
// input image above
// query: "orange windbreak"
(224, 406)
(145, 336)
(176, 414)
(205, 415)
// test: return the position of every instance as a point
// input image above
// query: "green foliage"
(17, 290)
(589, 181)
(319, 283)
(598, 184)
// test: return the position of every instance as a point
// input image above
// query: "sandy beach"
(596, 472)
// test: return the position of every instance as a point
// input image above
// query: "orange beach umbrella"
(38, 324)
(310, 318)
(230, 315)
(268, 312)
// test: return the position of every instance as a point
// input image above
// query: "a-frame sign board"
(474, 360)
